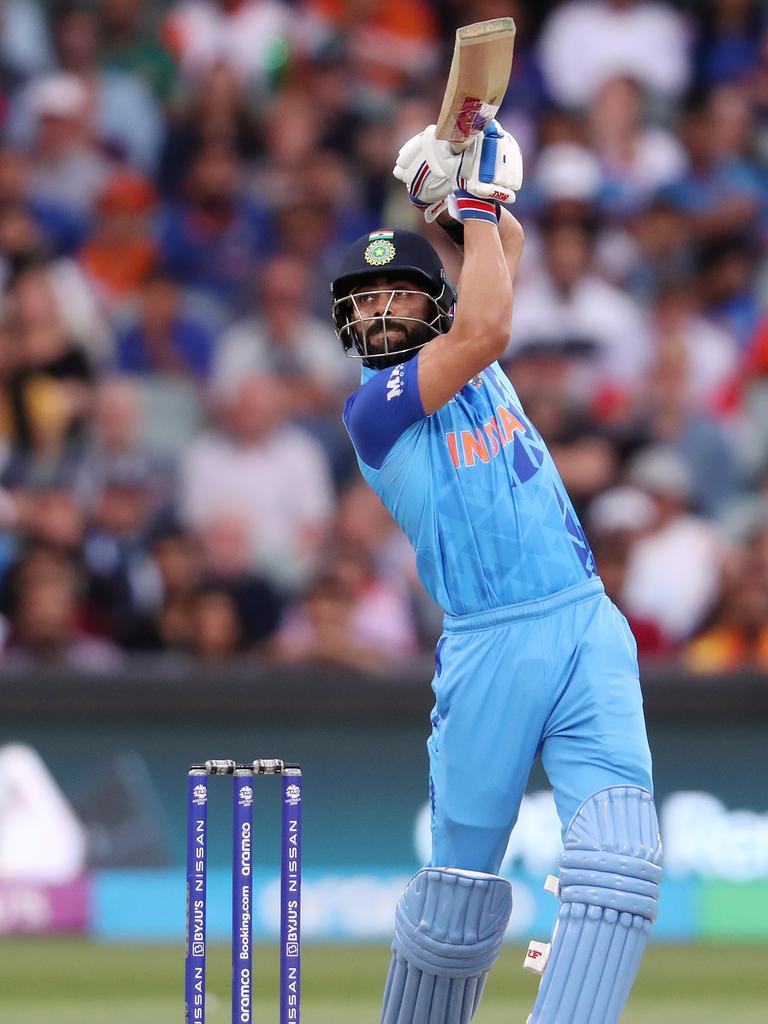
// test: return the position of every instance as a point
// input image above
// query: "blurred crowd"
(178, 182)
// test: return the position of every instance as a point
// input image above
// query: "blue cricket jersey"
(472, 486)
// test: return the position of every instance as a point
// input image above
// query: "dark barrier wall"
(123, 742)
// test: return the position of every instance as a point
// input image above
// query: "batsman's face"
(391, 314)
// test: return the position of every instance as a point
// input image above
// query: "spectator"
(284, 338)
(227, 558)
(120, 577)
(262, 464)
(131, 47)
(564, 187)
(364, 525)
(525, 98)
(306, 226)
(298, 170)
(673, 574)
(165, 338)
(390, 42)
(120, 252)
(726, 269)
(708, 352)
(569, 306)
(123, 113)
(728, 43)
(22, 247)
(68, 170)
(665, 413)
(44, 626)
(736, 635)
(24, 44)
(31, 224)
(51, 516)
(35, 560)
(115, 438)
(292, 132)
(372, 154)
(616, 520)
(211, 111)
(636, 159)
(565, 181)
(49, 379)
(126, 119)
(349, 618)
(662, 250)
(211, 239)
(584, 44)
(217, 631)
(250, 35)
(165, 623)
(721, 194)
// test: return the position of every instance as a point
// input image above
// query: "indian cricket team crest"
(381, 249)
(293, 796)
(199, 795)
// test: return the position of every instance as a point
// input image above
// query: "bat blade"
(478, 79)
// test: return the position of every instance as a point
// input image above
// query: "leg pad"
(449, 927)
(609, 882)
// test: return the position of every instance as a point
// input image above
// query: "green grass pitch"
(79, 982)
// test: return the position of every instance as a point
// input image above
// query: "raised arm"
(480, 330)
(512, 240)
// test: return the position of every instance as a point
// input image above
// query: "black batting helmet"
(395, 253)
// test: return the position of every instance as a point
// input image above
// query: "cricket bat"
(478, 79)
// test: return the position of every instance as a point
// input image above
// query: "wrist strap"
(455, 231)
(464, 206)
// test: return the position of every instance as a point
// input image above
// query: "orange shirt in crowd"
(121, 252)
(120, 272)
(725, 648)
(394, 38)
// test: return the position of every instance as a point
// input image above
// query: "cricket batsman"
(534, 657)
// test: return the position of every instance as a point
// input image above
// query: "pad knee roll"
(449, 927)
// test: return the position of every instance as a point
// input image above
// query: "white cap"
(57, 95)
(565, 170)
(620, 508)
(661, 470)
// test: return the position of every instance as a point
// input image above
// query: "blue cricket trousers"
(556, 677)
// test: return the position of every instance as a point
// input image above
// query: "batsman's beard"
(387, 342)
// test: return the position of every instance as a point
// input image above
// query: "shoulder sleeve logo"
(395, 383)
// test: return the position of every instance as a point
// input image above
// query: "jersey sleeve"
(382, 410)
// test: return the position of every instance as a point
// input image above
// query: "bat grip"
(488, 154)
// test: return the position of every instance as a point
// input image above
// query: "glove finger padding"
(408, 159)
(492, 167)
(439, 154)
(428, 167)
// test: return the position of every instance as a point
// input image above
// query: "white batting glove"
(428, 167)
(492, 165)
